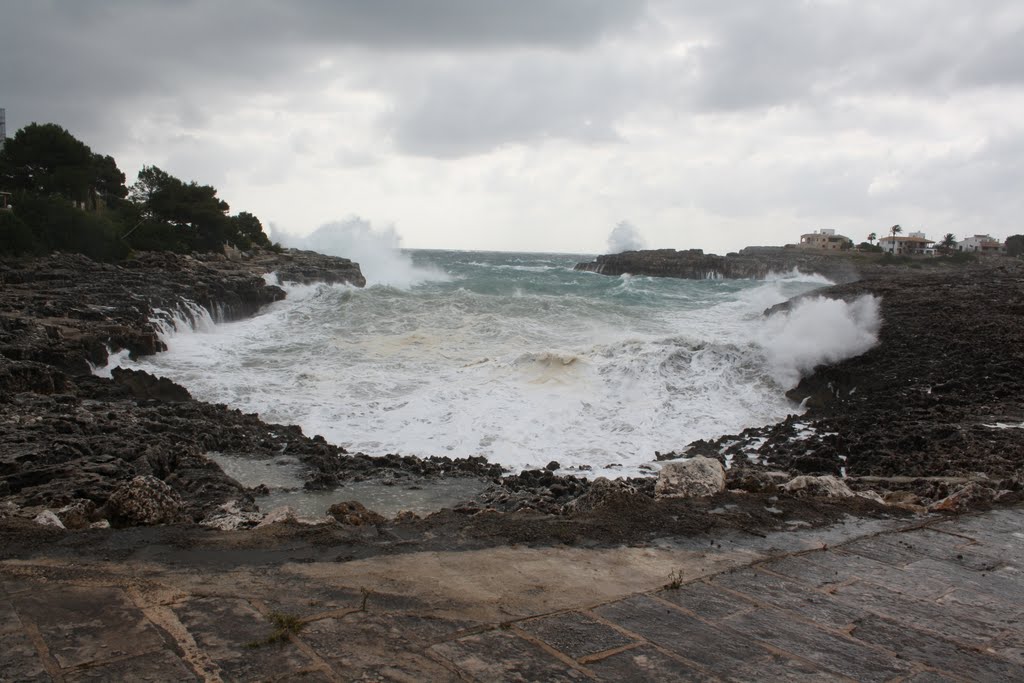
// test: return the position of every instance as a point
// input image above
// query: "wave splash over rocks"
(519, 358)
(376, 250)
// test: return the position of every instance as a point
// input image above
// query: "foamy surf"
(522, 365)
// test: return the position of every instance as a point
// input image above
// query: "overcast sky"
(541, 124)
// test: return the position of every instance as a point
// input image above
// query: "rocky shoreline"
(750, 263)
(908, 423)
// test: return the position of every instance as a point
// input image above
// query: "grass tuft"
(285, 626)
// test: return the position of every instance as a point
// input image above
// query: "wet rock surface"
(931, 410)
(935, 405)
(750, 263)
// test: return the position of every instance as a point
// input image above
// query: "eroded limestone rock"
(697, 477)
(354, 513)
(825, 486)
(144, 501)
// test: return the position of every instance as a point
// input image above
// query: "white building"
(981, 244)
(913, 244)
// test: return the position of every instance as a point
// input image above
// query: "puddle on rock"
(283, 476)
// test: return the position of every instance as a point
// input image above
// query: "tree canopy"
(66, 197)
(193, 212)
(1015, 245)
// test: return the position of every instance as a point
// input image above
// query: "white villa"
(824, 239)
(981, 244)
(913, 244)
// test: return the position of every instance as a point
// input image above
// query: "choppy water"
(516, 357)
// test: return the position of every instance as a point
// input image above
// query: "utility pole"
(3, 126)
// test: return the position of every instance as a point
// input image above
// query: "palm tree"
(895, 230)
(872, 237)
(948, 242)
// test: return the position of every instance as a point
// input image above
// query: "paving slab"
(19, 660)
(705, 601)
(235, 636)
(82, 625)
(576, 635)
(922, 601)
(696, 641)
(157, 667)
(504, 656)
(647, 664)
(825, 569)
(806, 603)
(9, 621)
(829, 650)
(367, 645)
(777, 667)
(936, 652)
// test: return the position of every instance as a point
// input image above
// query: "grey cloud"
(473, 108)
(90, 66)
(779, 53)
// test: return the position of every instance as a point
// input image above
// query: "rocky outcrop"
(751, 263)
(938, 397)
(67, 311)
(825, 486)
(694, 478)
(144, 500)
(69, 438)
(354, 513)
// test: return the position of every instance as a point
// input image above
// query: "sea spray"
(816, 331)
(624, 237)
(376, 250)
(518, 358)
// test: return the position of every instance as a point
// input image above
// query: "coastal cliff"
(750, 263)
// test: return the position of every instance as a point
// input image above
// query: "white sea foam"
(818, 331)
(596, 372)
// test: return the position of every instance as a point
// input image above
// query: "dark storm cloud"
(467, 76)
(84, 64)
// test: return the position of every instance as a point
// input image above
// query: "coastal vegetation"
(65, 197)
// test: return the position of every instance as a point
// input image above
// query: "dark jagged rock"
(144, 500)
(751, 263)
(939, 396)
(72, 439)
(354, 513)
(145, 386)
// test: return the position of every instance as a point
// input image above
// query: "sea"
(516, 357)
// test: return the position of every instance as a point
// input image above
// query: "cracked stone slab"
(646, 664)
(789, 595)
(705, 601)
(936, 652)
(19, 660)
(826, 649)
(967, 624)
(157, 667)
(9, 620)
(88, 624)
(233, 635)
(575, 634)
(374, 646)
(833, 567)
(776, 667)
(711, 648)
(503, 656)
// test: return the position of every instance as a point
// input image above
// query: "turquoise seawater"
(517, 357)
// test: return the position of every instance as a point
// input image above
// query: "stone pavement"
(939, 600)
